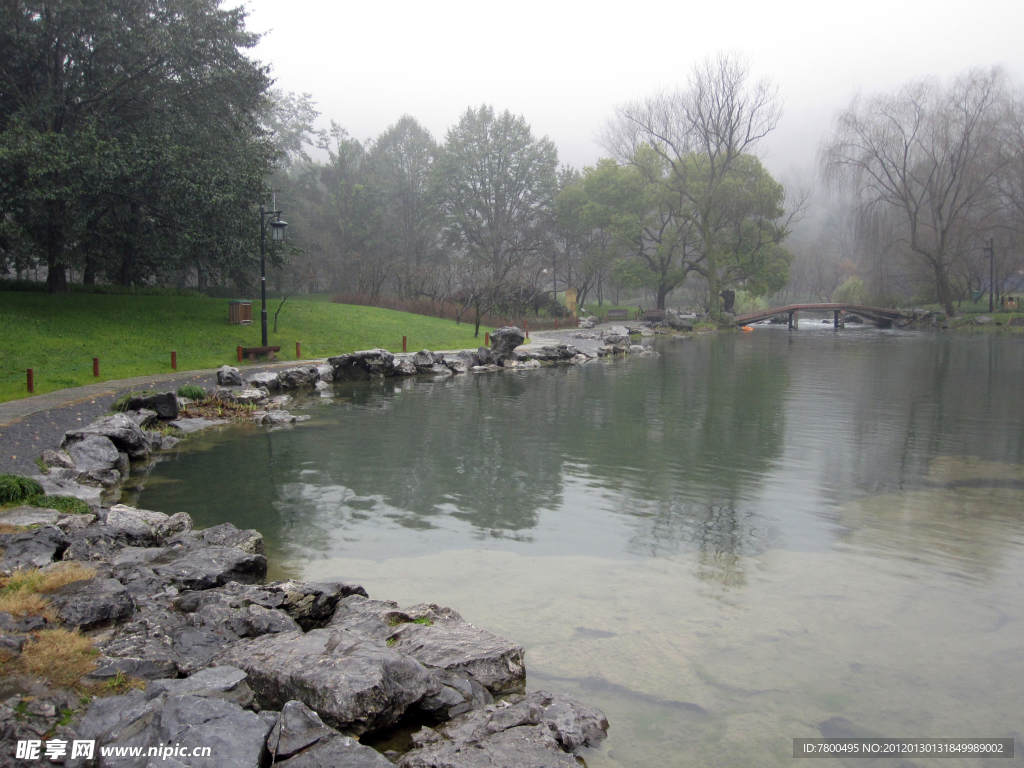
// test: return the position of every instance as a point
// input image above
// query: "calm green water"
(724, 547)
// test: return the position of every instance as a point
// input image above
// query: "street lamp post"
(278, 234)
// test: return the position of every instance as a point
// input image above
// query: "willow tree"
(929, 157)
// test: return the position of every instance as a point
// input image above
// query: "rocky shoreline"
(202, 652)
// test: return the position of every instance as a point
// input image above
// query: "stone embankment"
(213, 656)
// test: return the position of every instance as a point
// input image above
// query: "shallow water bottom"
(692, 672)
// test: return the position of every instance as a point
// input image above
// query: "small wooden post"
(405, 345)
(96, 367)
(526, 326)
(487, 338)
(556, 323)
(31, 383)
(174, 361)
(298, 350)
(239, 353)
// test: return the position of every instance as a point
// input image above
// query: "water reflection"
(722, 446)
(749, 539)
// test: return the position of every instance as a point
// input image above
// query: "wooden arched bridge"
(878, 314)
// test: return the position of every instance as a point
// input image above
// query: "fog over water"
(565, 66)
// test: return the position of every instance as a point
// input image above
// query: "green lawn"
(57, 336)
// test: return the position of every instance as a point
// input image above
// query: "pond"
(750, 538)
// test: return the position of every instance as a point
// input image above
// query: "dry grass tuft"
(20, 604)
(22, 593)
(60, 656)
(5, 528)
(37, 581)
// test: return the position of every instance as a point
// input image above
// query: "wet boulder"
(352, 682)
(228, 376)
(144, 647)
(210, 566)
(165, 404)
(297, 728)
(234, 611)
(31, 549)
(224, 535)
(124, 433)
(213, 682)
(28, 516)
(504, 341)
(235, 736)
(58, 459)
(92, 603)
(264, 380)
(425, 360)
(338, 751)
(298, 378)
(438, 638)
(362, 365)
(97, 460)
(540, 730)
(484, 356)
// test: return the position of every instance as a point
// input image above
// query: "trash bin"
(977, 295)
(240, 312)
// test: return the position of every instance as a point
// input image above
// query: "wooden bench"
(653, 314)
(617, 314)
(252, 353)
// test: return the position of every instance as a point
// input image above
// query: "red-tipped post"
(31, 383)
(487, 338)
(298, 350)
(174, 361)
(405, 344)
(96, 367)
(239, 353)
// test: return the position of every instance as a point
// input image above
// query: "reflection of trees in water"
(907, 400)
(720, 533)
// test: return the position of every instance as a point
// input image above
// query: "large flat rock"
(354, 683)
(438, 638)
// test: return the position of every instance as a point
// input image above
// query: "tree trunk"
(89, 276)
(57, 278)
(942, 288)
(662, 293)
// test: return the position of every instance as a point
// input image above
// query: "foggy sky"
(564, 66)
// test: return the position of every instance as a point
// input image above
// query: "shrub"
(192, 392)
(69, 505)
(15, 489)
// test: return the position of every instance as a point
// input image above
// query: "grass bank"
(58, 336)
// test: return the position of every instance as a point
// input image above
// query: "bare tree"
(931, 155)
(701, 131)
